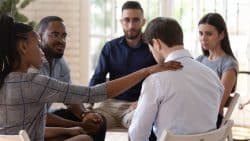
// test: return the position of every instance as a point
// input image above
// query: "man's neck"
(172, 49)
(133, 42)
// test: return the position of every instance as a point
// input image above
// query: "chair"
(118, 130)
(23, 136)
(120, 134)
(216, 135)
(230, 105)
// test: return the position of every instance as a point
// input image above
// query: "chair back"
(23, 136)
(216, 135)
(230, 105)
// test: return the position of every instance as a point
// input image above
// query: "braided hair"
(11, 33)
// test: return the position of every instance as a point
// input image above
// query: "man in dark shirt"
(120, 57)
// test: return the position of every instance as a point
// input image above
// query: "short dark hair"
(167, 30)
(43, 24)
(132, 5)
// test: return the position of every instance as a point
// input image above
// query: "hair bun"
(6, 24)
(6, 28)
(9, 28)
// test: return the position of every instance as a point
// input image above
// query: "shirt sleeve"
(50, 90)
(102, 67)
(145, 113)
(230, 63)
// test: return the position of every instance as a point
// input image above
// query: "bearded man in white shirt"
(186, 101)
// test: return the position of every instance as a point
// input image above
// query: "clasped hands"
(91, 122)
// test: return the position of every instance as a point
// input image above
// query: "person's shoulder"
(200, 58)
(24, 77)
(116, 40)
(113, 44)
(230, 62)
(229, 58)
(163, 75)
(62, 62)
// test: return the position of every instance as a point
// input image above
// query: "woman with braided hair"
(24, 96)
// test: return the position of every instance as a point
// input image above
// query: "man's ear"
(143, 21)
(157, 44)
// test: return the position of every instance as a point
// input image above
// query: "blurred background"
(90, 23)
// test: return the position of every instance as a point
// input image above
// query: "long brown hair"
(218, 22)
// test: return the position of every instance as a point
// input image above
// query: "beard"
(132, 34)
(51, 53)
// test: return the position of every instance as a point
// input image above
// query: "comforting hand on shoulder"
(170, 65)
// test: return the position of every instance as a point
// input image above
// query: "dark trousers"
(219, 120)
(99, 136)
(152, 136)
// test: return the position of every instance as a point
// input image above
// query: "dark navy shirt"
(118, 59)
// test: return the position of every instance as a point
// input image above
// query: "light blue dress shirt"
(185, 101)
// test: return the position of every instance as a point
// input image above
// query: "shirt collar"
(178, 54)
(124, 43)
(54, 61)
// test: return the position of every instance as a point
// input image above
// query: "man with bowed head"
(185, 101)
